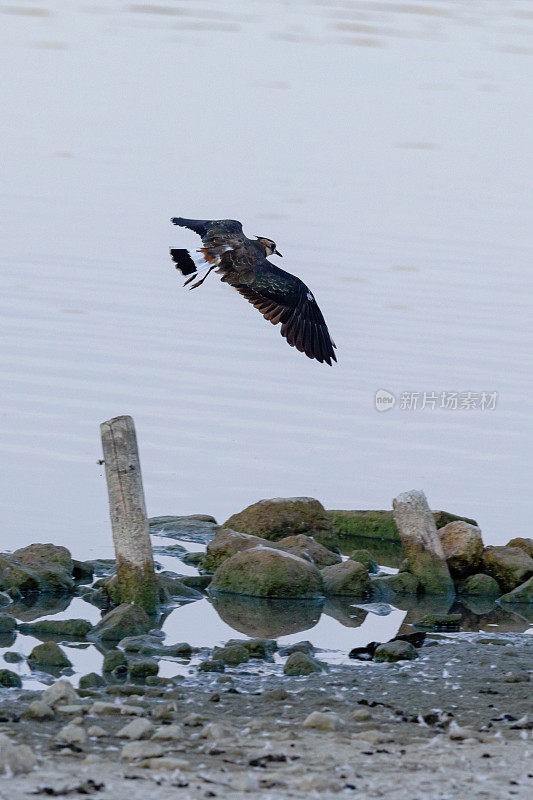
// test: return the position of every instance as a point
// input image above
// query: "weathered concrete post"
(136, 581)
(418, 532)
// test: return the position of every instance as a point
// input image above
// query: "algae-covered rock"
(397, 650)
(347, 578)
(38, 567)
(522, 593)
(91, 681)
(73, 628)
(440, 622)
(266, 572)
(8, 624)
(365, 558)
(225, 544)
(524, 544)
(285, 516)
(124, 620)
(152, 645)
(173, 586)
(403, 583)
(257, 648)
(192, 528)
(510, 566)
(211, 666)
(463, 547)
(114, 659)
(140, 670)
(10, 679)
(379, 524)
(300, 663)
(480, 585)
(48, 654)
(231, 654)
(308, 548)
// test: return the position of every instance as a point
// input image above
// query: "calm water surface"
(386, 147)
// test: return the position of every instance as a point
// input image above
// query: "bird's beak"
(277, 253)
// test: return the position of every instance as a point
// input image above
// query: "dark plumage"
(278, 295)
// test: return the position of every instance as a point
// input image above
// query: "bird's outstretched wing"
(284, 298)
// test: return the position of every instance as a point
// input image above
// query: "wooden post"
(423, 548)
(136, 580)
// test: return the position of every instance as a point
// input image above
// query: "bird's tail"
(199, 226)
(184, 261)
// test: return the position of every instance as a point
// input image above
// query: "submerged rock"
(9, 679)
(124, 620)
(174, 586)
(231, 654)
(403, 583)
(281, 517)
(300, 663)
(397, 650)
(347, 578)
(522, 593)
(510, 566)
(48, 654)
(91, 681)
(74, 628)
(480, 585)
(193, 528)
(152, 645)
(8, 624)
(463, 547)
(440, 621)
(266, 572)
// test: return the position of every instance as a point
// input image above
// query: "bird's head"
(269, 245)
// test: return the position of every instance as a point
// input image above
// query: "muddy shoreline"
(452, 723)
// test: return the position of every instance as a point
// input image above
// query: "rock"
(169, 733)
(524, 544)
(516, 677)
(73, 628)
(281, 517)
(164, 711)
(395, 651)
(60, 692)
(174, 586)
(124, 620)
(308, 548)
(458, 733)
(348, 578)
(323, 721)
(231, 654)
(140, 670)
(365, 558)
(211, 666)
(15, 760)
(114, 659)
(5, 599)
(371, 736)
(193, 528)
(102, 566)
(12, 657)
(45, 568)
(82, 571)
(421, 542)
(440, 622)
(522, 594)
(379, 524)
(463, 547)
(214, 730)
(265, 572)
(199, 582)
(39, 710)
(257, 648)
(403, 583)
(139, 728)
(152, 645)
(8, 624)
(510, 566)
(298, 647)
(72, 734)
(299, 663)
(479, 585)
(91, 681)
(9, 679)
(48, 654)
(193, 720)
(361, 715)
(133, 751)
(226, 543)
(96, 732)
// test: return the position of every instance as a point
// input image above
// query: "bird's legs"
(199, 283)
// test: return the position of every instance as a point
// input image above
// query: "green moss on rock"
(365, 558)
(349, 578)
(479, 585)
(125, 620)
(48, 654)
(299, 663)
(378, 524)
(522, 593)
(73, 628)
(510, 566)
(10, 679)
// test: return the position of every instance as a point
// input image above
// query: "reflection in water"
(259, 617)
(344, 611)
(384, 551)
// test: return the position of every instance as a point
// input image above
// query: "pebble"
(243, 782)
(13, 759)
(460, 734)
(193, 720)
(214, 730)
(137, 729)
(164, 711)
(95, 731)
(168, 733)
(139, 750)
(60, 692)
(323, 721)
(72, 734)
(165, 763)
(74, 709)
(516, 677)
(372, 737)
(361, 715)
(38, 709)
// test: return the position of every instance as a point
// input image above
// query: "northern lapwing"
(243, 263)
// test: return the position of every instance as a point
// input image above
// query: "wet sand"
(448, 725)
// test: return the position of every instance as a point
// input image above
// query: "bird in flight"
(243, 263)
